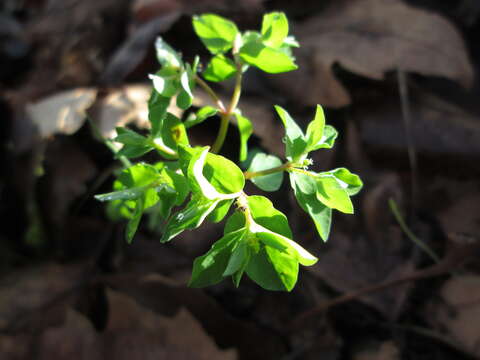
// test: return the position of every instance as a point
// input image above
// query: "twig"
(407, 122)
(409, 233)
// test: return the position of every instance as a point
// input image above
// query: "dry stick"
(458, 255)
(432, 271)
(407, 122)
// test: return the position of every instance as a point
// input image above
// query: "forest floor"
(398, 79)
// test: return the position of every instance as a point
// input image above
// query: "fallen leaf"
(15, 347)
(76, 339)
(181, 334)
(382, 351)
(128, 104)
(437, 127)
(27, 293)
(166, 297)
(62, 113)
(455, 309)
(370, 38)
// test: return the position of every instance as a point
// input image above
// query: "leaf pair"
(268, 50)
(215, 182)
(298, 144)
(319, 193)
(175, 77)
(257, 241)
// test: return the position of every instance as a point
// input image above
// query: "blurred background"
(397, 280)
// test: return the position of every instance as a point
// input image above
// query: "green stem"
(225, 118)
(409, 233)
(211, 93)
(253, 174)
(163, 148)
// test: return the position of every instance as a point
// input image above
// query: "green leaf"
(126, 194)
(166, 56)
(191, 217)
(133, 151)
(157, 110)
(315, 129)
(215, 176)
(328, 139)
(274, 29)
(220, 68)
(171, 135)
(273, 269)
(320, 214)
(349, 181)
(265, 214)
(133, 223)
(142, 175)
(265, 58)
(245, 128)
(331, 193)
(201, 115)
(130, 137)
(262, 161)
(185, 97)
(166, 81)
(295, 140)
(216, 32)
(220, 211)
(209, 269)
(239, 258)
(306, 181)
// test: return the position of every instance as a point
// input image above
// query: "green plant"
(257, 239)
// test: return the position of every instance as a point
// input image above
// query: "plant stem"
(253, 174)
(225, 119)
(409, 233)
(211, 93)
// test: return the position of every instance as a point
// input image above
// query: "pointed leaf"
(133, 223)
(209, 269)
(166, 55)
(295, 140)
(191, 217)
(273, 269)
(320, 214)
(315, 129)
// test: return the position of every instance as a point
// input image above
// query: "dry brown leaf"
(122, 106)
(181, 334)
(369, 38)
(457, 310)
(62, 113)
(383, 351)
(25, 293)
(76, 339)
(438, 127)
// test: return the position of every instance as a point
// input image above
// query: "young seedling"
(257, 240)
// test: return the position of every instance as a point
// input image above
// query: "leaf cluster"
(191, 185)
